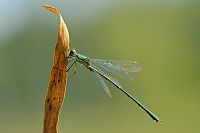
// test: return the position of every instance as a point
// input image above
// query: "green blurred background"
(163, 36)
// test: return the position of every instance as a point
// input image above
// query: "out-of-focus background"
(161, 35)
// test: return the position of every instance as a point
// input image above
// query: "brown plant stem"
(58, 78)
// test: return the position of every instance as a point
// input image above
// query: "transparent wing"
(120, 68)
(103, 83)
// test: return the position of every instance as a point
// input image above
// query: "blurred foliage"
(163, 39)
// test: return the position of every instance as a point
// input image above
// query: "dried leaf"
(58, 78)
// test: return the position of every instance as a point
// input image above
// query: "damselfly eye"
(72, 52)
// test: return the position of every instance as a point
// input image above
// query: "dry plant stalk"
(58, 78)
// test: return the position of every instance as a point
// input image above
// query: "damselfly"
(121, 68)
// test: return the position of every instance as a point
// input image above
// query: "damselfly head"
(72, 53)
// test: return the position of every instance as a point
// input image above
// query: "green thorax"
(84, 60)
